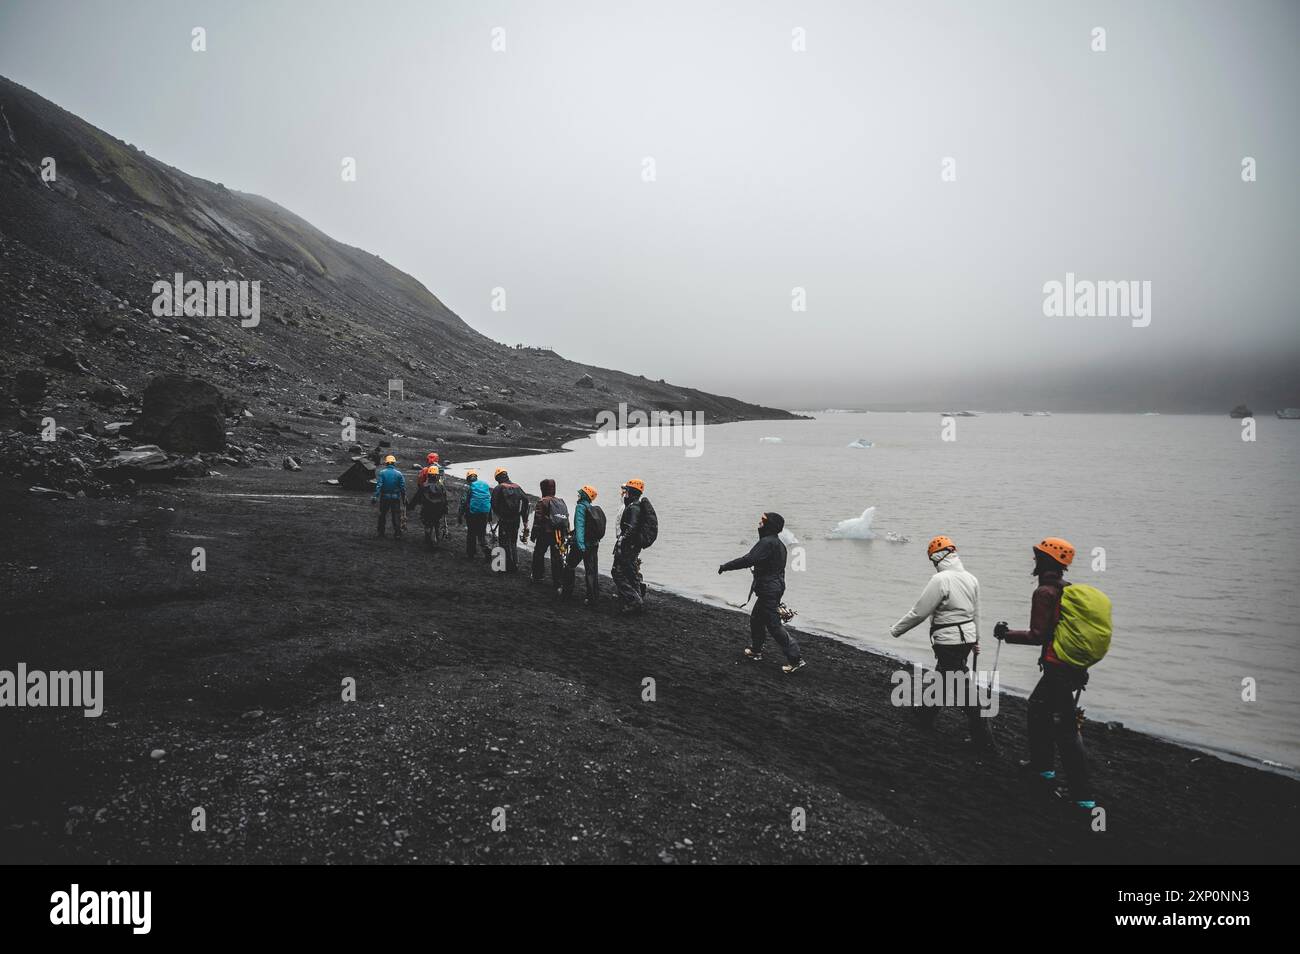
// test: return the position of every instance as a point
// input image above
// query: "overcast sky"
(774, 169)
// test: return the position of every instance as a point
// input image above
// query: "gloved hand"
(720, 570)
(1000, 630)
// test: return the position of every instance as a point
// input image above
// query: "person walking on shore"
(390, 495)
(588, 530)
(510, 505)
(766, 560)
(431, 467)
(638, 528)
(475, 508)
(1072, 624)
(431, 497)
(951, 601)
(550, 527)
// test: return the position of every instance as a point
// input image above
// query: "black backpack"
(511, 495)
(559, 515)
(649, 524)
(594, 528)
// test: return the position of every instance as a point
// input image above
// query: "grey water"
(1190, 530)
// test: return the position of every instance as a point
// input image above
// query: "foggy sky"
(775, 169)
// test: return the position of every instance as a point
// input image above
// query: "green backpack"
(1083, 631)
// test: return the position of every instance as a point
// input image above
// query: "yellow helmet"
(390, 459)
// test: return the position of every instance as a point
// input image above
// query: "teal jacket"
(580, 520)
(390, 484)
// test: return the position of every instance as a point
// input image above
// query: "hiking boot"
(750, 654)
(632, 610)
(793, 666)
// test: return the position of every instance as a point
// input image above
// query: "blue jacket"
(390, 484)
(580, 520)
(478, 497)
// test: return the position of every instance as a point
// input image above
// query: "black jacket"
(508, 512)
(767, 558)
(629, 524)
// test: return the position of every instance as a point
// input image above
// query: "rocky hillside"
(79, 256)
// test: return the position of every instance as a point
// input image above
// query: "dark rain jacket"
(767, 560)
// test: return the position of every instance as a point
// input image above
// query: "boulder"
(359, 476)
(65, 359)
(182, 413)
(291, 464)
(585, 381)
(30, 385)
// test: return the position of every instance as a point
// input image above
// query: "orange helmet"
(589, 490)
(940, 543)
(432, 470)
(390, 459)
(1062, 551)
(636, 483)
(432, 458)
(498, 472)
(471, 475)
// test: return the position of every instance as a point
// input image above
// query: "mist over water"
(1198, 528)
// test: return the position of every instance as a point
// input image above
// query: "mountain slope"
(79, 257)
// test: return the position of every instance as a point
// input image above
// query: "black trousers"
(953, 659)
(508, 540)
(590, 560)
(765, 620)
(544, 544)
(476, 533)
(626, 579)
(1052, 726)
(393, 508)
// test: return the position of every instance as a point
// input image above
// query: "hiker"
(433, 467)
(1071, 622)
(390, 495)
(431, 497)
(510, 505)
(638, 527)
(951, 601)
(766, 560)
(584, 546)
(475, 509)
(550, 527)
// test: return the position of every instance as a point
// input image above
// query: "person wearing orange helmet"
(431, 497)
(550, 529)
(638, 527)
(510, 506)
(1052, 721)
(584, 546)
(951, 602)
(432, 466)
(390, 495)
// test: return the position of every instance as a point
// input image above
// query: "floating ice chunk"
(788, 538)
(861, 442)
(855, 528)
(893, 537)
(770, 440)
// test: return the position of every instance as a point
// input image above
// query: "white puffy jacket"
(951, 597)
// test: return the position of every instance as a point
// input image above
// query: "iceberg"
(861, 442)
(855, 528)
(894, 537)
(788, 538)
(770, 440)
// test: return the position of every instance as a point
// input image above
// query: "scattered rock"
(291, 464)
(585, 381)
